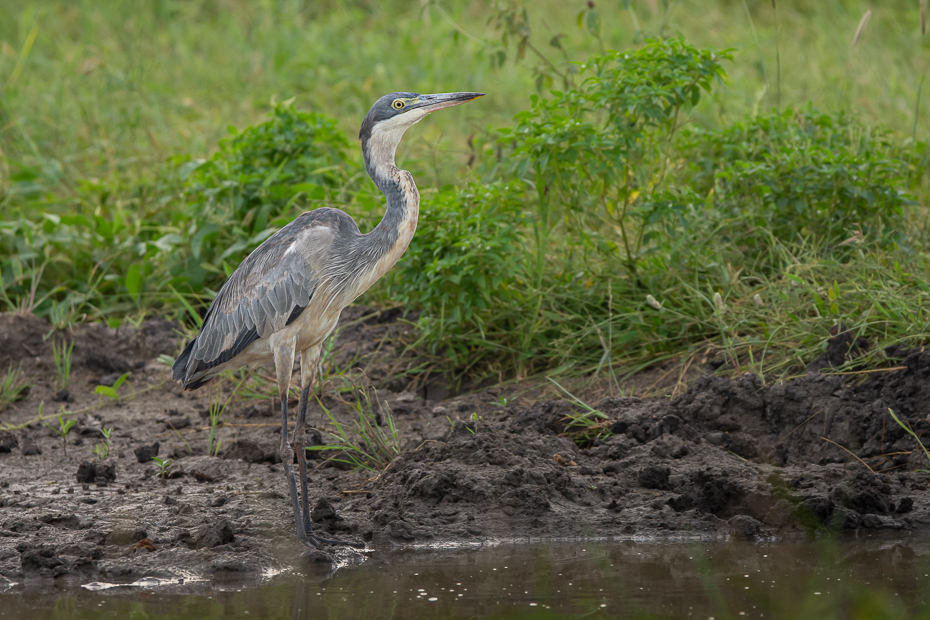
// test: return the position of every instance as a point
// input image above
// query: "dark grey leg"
(287, 458)
(300, 443)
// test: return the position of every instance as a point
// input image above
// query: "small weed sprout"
(907, 428)
(62, 354)
(475, 418)
(164, 467)
(102, 450)
(12, 386)
(111, 392)
(218, 412)
(64, 427)
(502, 401)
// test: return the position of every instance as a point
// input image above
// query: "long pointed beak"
(431, 103)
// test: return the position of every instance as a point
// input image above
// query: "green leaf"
(133, 281)
(106, 391)
(205, 231)
(120, 381)
(313, 191)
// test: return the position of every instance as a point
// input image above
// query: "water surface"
(849, 579)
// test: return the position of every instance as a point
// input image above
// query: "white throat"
(386, 135)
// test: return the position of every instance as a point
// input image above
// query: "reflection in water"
(851, 579)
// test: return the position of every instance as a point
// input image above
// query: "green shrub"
(243, 194)
(599, 150)
(464, 265)
(803, 174)
(119, 249)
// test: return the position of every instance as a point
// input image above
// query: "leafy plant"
(164, 467)
(600, 150)
(102, 450)
(801, 173)
(463, 264)
(242, 195)
(502, 401)
(64, 427)
(512, 22)
(475, 420)
(62, 355)
(12, 386)
(111, 391)
(129, 253)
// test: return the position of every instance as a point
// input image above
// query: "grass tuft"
(12, 386)
(369, 440)
(61, 352)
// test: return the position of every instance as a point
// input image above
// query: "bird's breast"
(398, 239)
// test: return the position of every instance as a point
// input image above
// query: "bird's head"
(392, 114)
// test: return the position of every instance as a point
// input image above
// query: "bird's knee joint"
(286, 453)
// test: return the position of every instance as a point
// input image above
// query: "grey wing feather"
(262, 296)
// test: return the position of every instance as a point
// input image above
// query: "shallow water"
(848, 579)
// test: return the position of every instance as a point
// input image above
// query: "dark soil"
(728, 458)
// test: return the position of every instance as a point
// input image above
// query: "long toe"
(337, 542)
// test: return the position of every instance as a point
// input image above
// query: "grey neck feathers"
(403, 200)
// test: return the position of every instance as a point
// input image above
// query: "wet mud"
(728, 458)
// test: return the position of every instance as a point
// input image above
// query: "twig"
(230, 424)
(181, 437)
(781, 439)
(862, 372)
(851, 454)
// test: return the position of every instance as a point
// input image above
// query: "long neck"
(384, 245)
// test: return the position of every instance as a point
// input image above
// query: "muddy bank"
(728, 458)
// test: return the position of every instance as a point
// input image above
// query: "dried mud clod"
(728, 458)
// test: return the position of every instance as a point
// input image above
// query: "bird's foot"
(312, 541)
(318, 541)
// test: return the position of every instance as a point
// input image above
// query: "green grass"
(64, 428)
(114, 90)
(107, 110)
(907, 428)
(369, 440)
(102, 450)
(61, 352)
(12, 385)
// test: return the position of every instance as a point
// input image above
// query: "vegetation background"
(743, 178)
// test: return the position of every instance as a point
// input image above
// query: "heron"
(285, 298)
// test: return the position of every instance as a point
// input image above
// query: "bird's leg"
(300, 443)
(287, 458)
(284, 365)
(309, 362)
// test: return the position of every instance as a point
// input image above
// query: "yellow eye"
(398, 104)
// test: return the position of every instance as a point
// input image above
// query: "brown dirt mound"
(730, 457)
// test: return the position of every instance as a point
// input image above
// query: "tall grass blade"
(862, 22)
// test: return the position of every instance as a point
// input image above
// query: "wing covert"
(265, 291)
